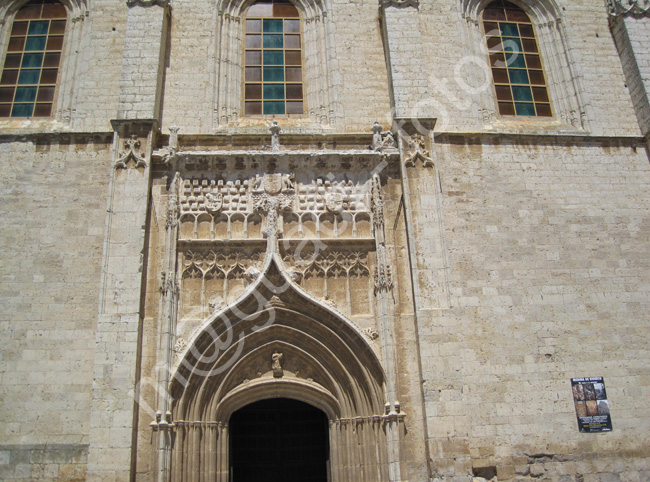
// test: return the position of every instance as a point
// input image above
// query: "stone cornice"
(146, 3)
(399, 3)
(618, 8)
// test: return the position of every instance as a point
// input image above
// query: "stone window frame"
(321, 103)
(563, 76)
(263, 48)
(67, 88)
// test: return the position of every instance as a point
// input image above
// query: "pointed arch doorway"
(279, 440)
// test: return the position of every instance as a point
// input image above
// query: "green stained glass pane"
(25, 94)
(273, 58)
(273, 74)
(509, 29)
(22, 110)
(273, 41)
(522, 93)
(38, 27)
(517, 61)
(273, 91)
(518, 76)
(512, 45)
(271, 25)
(29, 76)
(273, 108)
(525, 109)
(32, 60)
(35, 43)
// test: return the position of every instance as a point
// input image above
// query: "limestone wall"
(53, 207)
(548, 280)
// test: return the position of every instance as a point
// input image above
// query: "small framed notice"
(592, 406)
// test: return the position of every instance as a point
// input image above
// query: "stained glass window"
(31, 66)
(273, 74)
(515, 61)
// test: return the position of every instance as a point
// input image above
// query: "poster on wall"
(592, 406)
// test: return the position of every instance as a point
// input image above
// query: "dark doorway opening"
(279, 440)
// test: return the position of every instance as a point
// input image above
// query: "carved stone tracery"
(417, 150)
(330, 264)
(132, 155)
(221, 264)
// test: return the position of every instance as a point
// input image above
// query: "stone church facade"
(390, 233)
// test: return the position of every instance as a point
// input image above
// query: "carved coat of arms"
(213, 202)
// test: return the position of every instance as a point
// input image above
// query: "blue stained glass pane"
(273, 58)
(518, 76)
(509, 29)
(273, 74)
(35, 43)
(22, 110)
(39, 27)
(524, 109)
(272, 25)
(29, 76)
(522, 93)
(32, 60)
(274, 91)
(273, 107)
(516, 60)
(273, 41)
(25, 94)
(512, 45)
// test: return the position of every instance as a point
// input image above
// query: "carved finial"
(275, 136)
(376, 136)
(278, 372)
(173, 136)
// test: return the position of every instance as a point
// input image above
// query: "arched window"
(31, 65)
(515, 60)
(273, 76)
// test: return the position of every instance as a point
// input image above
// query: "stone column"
(114, 398)
(630, 25)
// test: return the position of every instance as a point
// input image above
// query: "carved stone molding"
(221, 264)
(417, 150)
(399, 3)
(146, 3)
(371, 333)
(132, 156)
(382, 140)
(330, 264)
(619, 8)
(383, 278)
(172, 205)
(377, 204)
